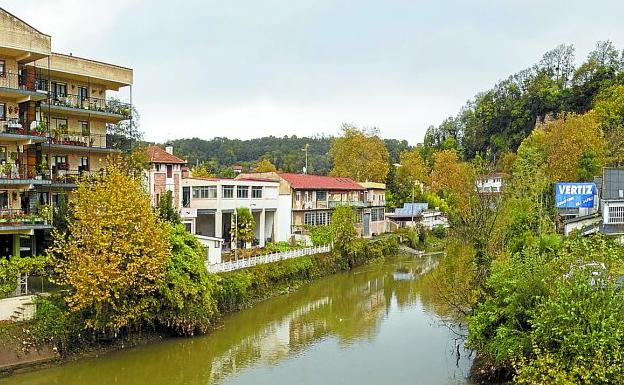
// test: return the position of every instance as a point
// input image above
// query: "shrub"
(186, 302)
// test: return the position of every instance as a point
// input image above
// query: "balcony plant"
(62, 166)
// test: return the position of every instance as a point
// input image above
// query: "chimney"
(169, 149)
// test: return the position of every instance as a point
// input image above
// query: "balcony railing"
(91, 104)
(62, 175)
(18, 217)
(78, 138)
(334, 204)
(17, 82)
(19, 127)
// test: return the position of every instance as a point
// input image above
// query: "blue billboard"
(574, 195)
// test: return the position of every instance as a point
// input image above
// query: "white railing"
(267, 258)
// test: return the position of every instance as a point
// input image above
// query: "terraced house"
(54, 114)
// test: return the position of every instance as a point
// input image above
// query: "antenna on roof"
(305, 148)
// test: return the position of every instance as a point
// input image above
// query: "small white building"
(491, 183)
(209, 205)
(612, 202)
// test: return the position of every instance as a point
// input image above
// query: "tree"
(186, 304)
(343, 227)
(609, 109)
(412, 174)
(243, 225)
(113, 256)
(265, 165)
(201, 171)
(360, 155)
(453, 178)
(571, 141)
(166, 210)
(127, 132)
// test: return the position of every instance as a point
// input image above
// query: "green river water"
(372, 325)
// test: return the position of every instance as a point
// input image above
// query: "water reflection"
(359, 327)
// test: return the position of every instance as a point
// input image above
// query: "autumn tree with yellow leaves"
(265, 165)
(114, 255)
(360, 155)
(453, 178)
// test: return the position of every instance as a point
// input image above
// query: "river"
(372, 325)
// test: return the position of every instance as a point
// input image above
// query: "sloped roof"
(613, 183)
(156, 154)
(319, 182)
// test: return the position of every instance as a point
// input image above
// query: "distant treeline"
(286, 152)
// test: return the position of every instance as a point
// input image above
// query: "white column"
(262, 227)
(218, 224)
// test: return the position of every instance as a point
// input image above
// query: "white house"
(612, 202)
(209, 205)
(491, 183)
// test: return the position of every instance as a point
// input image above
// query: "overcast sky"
(254, 68)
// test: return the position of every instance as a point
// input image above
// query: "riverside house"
(309, 200)
(164, 174)
(54, 113)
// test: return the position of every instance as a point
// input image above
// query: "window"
(228, 192)
(205, 192)
(308, 219)
(2, 111)
(616, 214)
(186, 196)
(2, 68)
(321, 218)
(377, 214)
(242, 192)
(83, 93)
(84, 128)
(83, 163)
(169, 171)
(298, 196)
(58, 159)
(59, 124)
(3, 154)
(188, 226)
(59, 89)
(4, 199)
(321, 195)
(256, 192)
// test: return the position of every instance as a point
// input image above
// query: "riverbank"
(234, 291)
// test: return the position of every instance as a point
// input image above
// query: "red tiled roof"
(156, 154)
(313, 182)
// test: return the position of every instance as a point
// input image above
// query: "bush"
(552, 318)
(186, 302)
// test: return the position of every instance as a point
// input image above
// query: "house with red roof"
(164, 174)
(309, 200)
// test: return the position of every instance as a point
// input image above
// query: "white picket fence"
(267, 258)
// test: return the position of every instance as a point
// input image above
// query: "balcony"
(61, 176)
(17, 219)
(20, 175)
(76, 140)
(16, 130)
(112, 110)
(334, 204)
(20, 88)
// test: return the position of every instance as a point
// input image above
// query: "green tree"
(343, 227)
(360, 155)
(265, 165)
(114, 254)
(166, 210)
(243, 225)
(186, 301)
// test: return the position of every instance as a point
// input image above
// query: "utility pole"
(305, 149)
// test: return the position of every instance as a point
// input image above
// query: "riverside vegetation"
(122, 269)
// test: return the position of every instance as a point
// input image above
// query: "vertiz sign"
(574, 195)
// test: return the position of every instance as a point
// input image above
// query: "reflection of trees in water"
(348, 307)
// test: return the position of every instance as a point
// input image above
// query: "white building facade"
(209, 206)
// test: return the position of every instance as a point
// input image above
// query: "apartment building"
(209, 206)
(54, 114)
